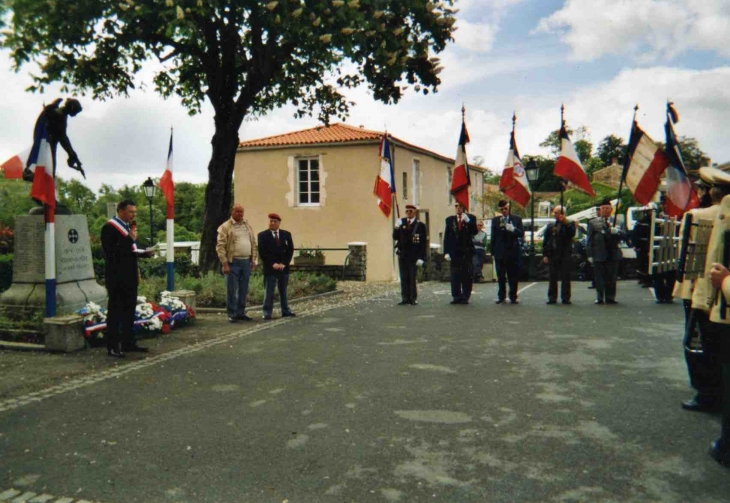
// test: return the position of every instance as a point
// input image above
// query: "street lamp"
(149, 191)
(532, 171)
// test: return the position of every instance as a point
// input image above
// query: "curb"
(260, 308)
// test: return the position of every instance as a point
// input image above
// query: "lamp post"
(149, 191)
(532, 172)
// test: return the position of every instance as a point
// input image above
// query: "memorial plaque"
(29, 266)
(73, 254)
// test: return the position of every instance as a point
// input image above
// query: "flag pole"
(170, 234)
(627, 162)
(50, 243)
(562, 126)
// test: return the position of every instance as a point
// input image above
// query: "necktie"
(276, 237)
(458, 222)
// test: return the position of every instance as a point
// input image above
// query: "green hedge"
(6, 272)
(155, 267)
(210, 288)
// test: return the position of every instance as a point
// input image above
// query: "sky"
(597, 57)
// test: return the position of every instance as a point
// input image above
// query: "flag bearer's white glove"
(465, 218)
(614, 230)
(447, 257)
(419, 262)
(509, 227)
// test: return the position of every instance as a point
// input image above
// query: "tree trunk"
(218, 193)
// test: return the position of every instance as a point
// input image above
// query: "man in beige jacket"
(236, 249)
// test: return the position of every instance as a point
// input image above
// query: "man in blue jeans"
(276, 249)
(236, 249)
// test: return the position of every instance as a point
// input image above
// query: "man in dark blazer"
(558, 255)
(121, 279)
(276, 249)
(459, 252)
(603, 241)
(410, 237)
(507, 232)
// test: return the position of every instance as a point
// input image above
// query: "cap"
(410, 207)
(605, 202)
(274, 216)
(502, 203)
(714, 176)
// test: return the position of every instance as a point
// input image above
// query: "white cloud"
(478, 23)
(645, 29)
(478, 37)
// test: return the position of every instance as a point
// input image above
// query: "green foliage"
(210, 288)
(311, 252)
(584, 149)
(157, 267)
(576, 201)
(546, 181)
(592, 165)
(6, 272)
(611, 146)
(14, 200)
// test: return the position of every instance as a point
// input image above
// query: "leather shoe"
(719, 453)
(403, 303)
(115, 352)
(414, 302)
(567, 303)
(551, 302)
(611, 302)
(243, 317)
(500, 301)
(700, 405)
(455, 301)
(464, 301)
(267, 317)
(599, 302)
(232, 319)
(514, 301)
(288, 315)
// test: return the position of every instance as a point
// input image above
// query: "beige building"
(320, 181)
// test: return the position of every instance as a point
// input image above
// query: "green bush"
(157, 267)
(6, 272)
(210, 288)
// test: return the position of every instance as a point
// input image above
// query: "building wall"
(266, 181)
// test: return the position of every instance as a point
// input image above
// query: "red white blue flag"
(568, 166)
(461, 181)
(513, 181)
(13, 167)
(644, 165)
(167, 185)
(680, 191)
(41, 164)
(385, 181)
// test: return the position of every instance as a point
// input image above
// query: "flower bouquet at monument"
(178, 312)
(94, 320)
(150, 317)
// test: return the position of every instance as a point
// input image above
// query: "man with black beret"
(276, 249)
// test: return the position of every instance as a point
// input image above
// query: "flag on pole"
(568, 166)
(168, 188)
(385, 180)
(513, 181)
(680, 191)
(643, 166)
(13, 167)
(461, 181)
(40, 163)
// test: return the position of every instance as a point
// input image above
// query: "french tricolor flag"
(680, 191)
(385, 181)
(41, 164)
(168, 188)
(568, 166)
(644, 165)
(513, 181)
(461, 181)
(13, 167)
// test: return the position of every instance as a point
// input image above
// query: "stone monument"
(75, 279)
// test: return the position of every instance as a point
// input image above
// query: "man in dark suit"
(459, 252)
(558, 255)
(507, 231)
(276, 249)
(603, 241)
(121, 279)
(410, 237)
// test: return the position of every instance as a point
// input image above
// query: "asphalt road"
(378, 402)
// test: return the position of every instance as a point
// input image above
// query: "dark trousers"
(461, 278)
(605, 278)
(479, 256)
(704, 359)
(120, 314)
(271, 282)
(508, 270)
(237, 286)
(723, 348)
(407, 267)
(559, 268)
(664, 285)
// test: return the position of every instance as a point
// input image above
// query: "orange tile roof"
(334, 133)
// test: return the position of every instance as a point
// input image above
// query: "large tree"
(611, 147)
(245, 56)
